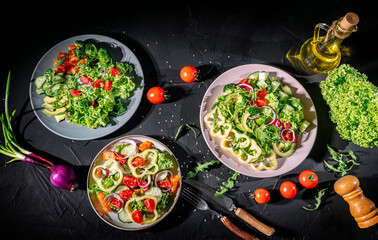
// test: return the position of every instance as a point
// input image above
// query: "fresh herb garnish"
(200, 167)
(229, 184)
(343, 165)
(318, 199)
(180, 129)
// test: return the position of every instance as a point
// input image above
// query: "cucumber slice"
(304, 126)
(58, 79)
(254, 75)
(286, 89)
(275, 85)
(124, 217)
(155, 192)
(127, 149)
(162, 176)
(39, 91)
(263, 75)
(39, 81)
(56, 87)
(282, 94)
(121, 188)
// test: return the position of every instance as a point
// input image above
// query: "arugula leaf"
(200, 167)
(318, 199)
(342, 165)
(230, 183)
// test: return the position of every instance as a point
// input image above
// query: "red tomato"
(244, 81)
(71, 70)
(261, 93)
(277, 123)
(149, 204)
(137, 216)
(137, 162)
(59, 68)
(289, 136)
(108, 85)
(143, 183)
(72, 47)
(189, 74)
(93, 104)
(261, 195)
(72, 59)
(61, 55)
(286, 125)
(97, 83)
(308, 179)
(130, 181)
(164, 184)
(261, 102)
(115, 203)
(75, 93)
(156, 95)
(120, 158)
(126, 194)
(114, 72)
(85, 80)
(288, 189)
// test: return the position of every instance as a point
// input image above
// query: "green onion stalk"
(61, 176)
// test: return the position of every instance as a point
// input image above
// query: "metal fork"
(201, 204)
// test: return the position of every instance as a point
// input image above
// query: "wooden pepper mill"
(362, 209)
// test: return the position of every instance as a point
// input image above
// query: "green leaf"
(318, 199)
(229, 184)
(180, 129)
(200, 167)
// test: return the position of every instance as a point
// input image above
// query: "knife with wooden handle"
(228, 203)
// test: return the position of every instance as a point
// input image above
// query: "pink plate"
(305, 141)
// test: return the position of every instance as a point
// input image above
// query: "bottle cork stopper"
(349, 21)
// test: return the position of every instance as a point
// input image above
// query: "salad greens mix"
(136, 181)
(85, 86)
(353, 102)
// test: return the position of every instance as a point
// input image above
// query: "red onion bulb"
(64, 177)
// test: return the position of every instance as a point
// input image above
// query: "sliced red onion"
(129, 141)
(121, 166)
(156, 177)
(114, 195)
(287, 129)
(107, 172)
(145, 185)
(274, 113)
(253, 118)
(79, 80)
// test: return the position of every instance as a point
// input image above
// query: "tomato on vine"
(189, 74)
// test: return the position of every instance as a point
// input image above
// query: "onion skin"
(64, 177)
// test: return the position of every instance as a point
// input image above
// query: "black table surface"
(165, 36)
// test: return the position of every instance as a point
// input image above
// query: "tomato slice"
(137, 216)
(164, 184)
(97, 83)
(261, 102)
(286, 125)
(130, 181)
(75, 93)
(277, 123)
(61, 55)
(108, 85)
(137, 162)
(85, 79)
(126, 194)
(72, 70)
(115, 203)
(120, 158)
(243, 81)
(143, 183)
(114, 72)
(261, 93)
(149, 204)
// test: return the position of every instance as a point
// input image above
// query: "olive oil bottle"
(321, 54)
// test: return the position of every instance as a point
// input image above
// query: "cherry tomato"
(261, 93)
(189, 74)
(85, 80)
(108, 85)
(277, 123)
(143, 183)
(244, 81)
(156, 95)
(288, 189)
(115, 203)
(289, 136)
(164, 184)
(261, 102)
(261, 195)
(93, 104)
(130, 181)
(137, 162)
(97, 83)
(120, 158)
(308, 179)
(286, 125)
(114, 72)
(126, 194)
(149, 204)
(75, 93)
(137, 216)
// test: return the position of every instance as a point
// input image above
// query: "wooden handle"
(238, 231)
(262, 227)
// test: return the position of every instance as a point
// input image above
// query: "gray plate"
(121, 53)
